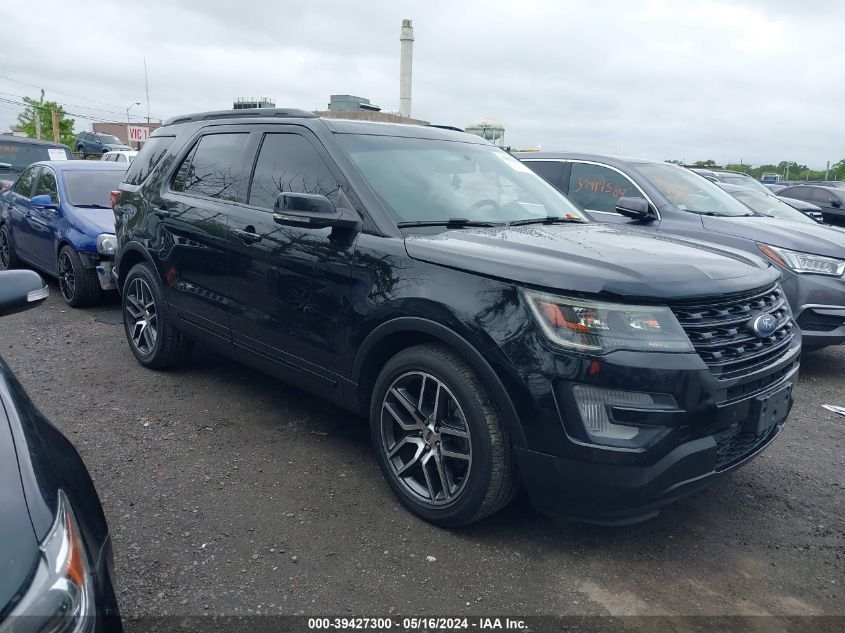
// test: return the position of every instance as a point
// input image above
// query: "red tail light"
(114, 198)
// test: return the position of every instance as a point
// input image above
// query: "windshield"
(91, 188)
(22, 155)
(110, 140)
(745, 181)
(771, 206)
(689, 191)
(427, 180)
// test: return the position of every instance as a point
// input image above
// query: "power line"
(67, 94)
(37, 107)
(73, 105)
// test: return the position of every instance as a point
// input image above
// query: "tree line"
(796, 170)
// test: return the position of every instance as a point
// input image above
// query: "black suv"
(432, 283)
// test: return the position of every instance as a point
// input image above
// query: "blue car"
(57, 217)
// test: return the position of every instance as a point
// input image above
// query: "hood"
(95, 221)
(801, 205)
(18, 545)
(596, 259)
(817, 239)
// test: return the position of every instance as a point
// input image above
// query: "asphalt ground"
(230, 493)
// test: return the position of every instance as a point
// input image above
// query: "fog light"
(594, 403)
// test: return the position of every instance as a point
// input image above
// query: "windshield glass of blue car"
(771, 206)
(21, 155)
(91, 189)
(690, 192)
(425, 180)
(110, 140)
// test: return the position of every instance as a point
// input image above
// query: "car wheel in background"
(8, 259)
(79, 285)
(149, 327)
(81, 150)
(438, 437)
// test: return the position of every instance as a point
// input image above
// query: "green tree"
(674, 161)
(738, 167)
(43, 109)
(705, 163)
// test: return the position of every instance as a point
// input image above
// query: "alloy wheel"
(5, 254)
(67, 280)
(141, 309)
(426, 439)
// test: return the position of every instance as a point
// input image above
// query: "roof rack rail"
(288, 113)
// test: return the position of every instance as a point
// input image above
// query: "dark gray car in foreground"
(674, 200)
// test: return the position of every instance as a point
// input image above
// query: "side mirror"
(635, 208)
(43, 201)
(21, 290)
(835, 203)
(313, 211)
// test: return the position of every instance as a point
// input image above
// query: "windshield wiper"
(547, 220)
(451, 223)
(90, 206)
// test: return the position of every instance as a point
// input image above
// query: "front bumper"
(818, 303)
(715, 428)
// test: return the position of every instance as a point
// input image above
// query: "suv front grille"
(718, 329)
(733, 444)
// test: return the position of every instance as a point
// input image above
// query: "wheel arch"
(130, 255)
(391, 337)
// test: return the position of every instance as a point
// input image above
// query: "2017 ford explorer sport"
(491, 334)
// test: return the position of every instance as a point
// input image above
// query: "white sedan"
(122, 156)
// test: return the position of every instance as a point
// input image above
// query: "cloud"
(753, 80)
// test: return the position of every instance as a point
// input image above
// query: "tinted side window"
(550, 171)
(47, 185)
(151, 153)
(214, 167)
(800, 193)
(288, 162)
(24, 184)
(822, 197)
(597, 188)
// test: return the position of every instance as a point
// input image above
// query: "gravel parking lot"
(230, 493)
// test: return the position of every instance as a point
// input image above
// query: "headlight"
(804, 262)
(106, 244)
(60, 596)
(592, 326)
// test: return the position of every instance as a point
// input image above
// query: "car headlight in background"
(60, 597)
(804, 262)
(106, 244)
(597, 327)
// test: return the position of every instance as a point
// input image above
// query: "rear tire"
(8, 259)
(149, 326)
(80, 286)
(439, 439)
(81, 150)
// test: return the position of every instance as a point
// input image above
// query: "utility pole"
(56, 136)
(38, 122)
(827, 170)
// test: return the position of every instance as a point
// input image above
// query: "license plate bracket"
(771, 409)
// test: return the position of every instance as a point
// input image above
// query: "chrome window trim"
(597, 164)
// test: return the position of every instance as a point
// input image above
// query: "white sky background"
(757, 80)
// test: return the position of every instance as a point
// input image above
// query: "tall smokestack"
(406, 61)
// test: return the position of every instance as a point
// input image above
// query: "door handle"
(162, 213)
(246, 236)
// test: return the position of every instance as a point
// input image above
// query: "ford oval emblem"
(764, 325)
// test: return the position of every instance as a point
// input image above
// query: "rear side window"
(548, 170)
(213, 168)
(24, 184)
(288, 162)
(150, 155)
(597, 188)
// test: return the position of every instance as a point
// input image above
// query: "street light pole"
(128, 140)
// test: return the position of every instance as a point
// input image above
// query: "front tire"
(8, 259)
(79, 285)
(150, 331)
(439, 440)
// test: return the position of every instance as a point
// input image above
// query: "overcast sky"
(757, 80)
